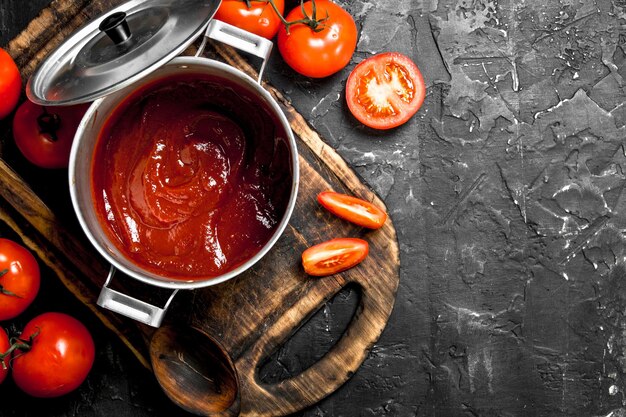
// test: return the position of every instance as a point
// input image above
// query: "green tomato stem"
(49, 123)
(2, 290)
(316, 25)
(9, 293)
(17, 343)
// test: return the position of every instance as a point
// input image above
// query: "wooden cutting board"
(255, 313)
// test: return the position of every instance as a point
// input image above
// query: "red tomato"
(353, 209)
(19, 279)
(259, 18)
(10, 84)
(45, 135)
(61, 355)
(4, 347)
(334, 256)
(385, 91)
(323, 51)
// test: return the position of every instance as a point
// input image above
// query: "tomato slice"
(353, 209)
(334, 256)
(385, 91)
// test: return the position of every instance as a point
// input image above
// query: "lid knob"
(116, 27)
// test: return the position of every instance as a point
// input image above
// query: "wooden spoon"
(195, 372)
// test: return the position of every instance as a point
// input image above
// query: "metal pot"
(89, 131)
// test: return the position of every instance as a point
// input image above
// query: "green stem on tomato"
(313, 9)
(9, 293)
(17, 343)
(313, 22)
(14, 346)
(49, 123)
(2, 290)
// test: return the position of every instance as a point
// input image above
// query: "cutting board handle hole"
(311, 341)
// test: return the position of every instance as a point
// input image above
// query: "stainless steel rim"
(178, 284)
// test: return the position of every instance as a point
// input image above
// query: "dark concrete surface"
(507, 194)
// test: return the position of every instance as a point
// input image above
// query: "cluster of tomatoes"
(54, 352)
(318, 39)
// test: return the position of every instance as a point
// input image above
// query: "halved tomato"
(385, 91)
(353, 209)
(334, 256)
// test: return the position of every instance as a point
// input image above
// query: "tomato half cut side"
(334, 256)
(385, 91)
(355, 210)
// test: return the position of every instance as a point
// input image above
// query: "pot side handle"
(239, 39)
(131, 307)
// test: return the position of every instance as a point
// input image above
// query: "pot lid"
(117, 49)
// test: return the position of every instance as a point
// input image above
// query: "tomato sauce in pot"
(191, 176)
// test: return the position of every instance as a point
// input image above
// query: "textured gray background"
(506, 192)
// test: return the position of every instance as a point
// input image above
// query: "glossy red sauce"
(191, 176)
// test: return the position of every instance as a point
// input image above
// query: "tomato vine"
(317, 25)
(18, 344)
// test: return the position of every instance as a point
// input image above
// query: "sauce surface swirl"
(191, 176)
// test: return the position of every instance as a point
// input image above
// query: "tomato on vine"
(53, 355)
(318, 38)
(19, 279)
(259, 17)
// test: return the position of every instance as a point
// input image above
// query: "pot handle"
(239, 39)
(131, 307)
